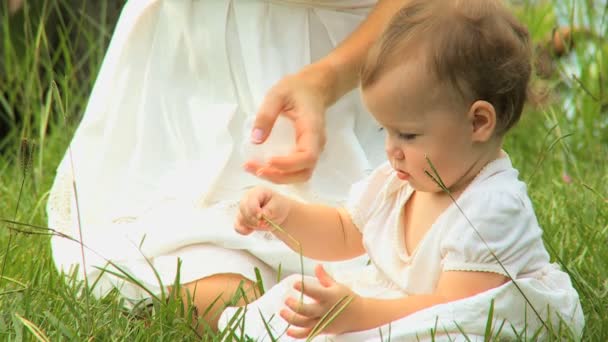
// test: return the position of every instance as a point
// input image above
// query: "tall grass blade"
(37, 332)
(66, 331)
(259, 281)
(25, 159)
(330, 316)
(297, 243)
(436, 177)
(462, 332)
(268, 328)
(488, 333)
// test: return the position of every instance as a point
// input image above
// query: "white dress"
(499, 210)
(157, 159)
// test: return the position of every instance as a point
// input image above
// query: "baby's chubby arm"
(368, 313)
(322, 232)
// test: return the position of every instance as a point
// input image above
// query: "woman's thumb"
(324, 278)
(266, 117)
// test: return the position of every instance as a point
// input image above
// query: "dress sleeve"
(492, 226)
(364, 194)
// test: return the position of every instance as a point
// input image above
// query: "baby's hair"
(477, 47)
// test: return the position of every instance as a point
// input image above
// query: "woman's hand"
(325, 293)
(302, 97)
(257, 204)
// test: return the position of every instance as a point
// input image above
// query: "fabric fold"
(157, 158)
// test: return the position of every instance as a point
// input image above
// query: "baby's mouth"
(402, 175)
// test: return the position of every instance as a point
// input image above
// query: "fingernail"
(259, 171)
(256, 135)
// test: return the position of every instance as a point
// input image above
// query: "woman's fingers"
(252, 166)
(297, 161)
(267, 115)
(310, 140)
(279, 177)
(296, 98)
(294, 168)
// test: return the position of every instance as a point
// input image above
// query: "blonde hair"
(476, 46)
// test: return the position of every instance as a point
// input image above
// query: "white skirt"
(462, 320)
(157, 157)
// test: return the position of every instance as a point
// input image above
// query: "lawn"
(50, 53)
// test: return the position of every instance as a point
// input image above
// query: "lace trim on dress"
(328, 4)
(59, 206)
(477, 267)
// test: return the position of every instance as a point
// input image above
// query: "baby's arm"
(368, 313)
(322, 232)
(452, 285)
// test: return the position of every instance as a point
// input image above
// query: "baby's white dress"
(157, 158)
(496, 207)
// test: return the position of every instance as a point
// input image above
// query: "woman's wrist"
(322, 77)
(341, 76)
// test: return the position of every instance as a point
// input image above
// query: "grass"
(49, 56)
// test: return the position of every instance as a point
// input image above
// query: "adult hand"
(302, 97)
(329, 298)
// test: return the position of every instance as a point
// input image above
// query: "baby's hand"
(328, 298)
(257, 205)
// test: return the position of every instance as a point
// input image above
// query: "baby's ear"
(482, 117)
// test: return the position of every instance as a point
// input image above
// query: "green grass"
(49, 57)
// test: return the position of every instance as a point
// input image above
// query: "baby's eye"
(407, 136)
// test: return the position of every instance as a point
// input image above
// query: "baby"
(446, 222)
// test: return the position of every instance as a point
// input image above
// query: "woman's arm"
(305, 95)
(340, 68)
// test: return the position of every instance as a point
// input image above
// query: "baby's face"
(420, 121)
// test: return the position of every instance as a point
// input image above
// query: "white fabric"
(157, 157)
(497, 205)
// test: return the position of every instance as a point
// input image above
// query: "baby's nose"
(393, 151)
(399, 154)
